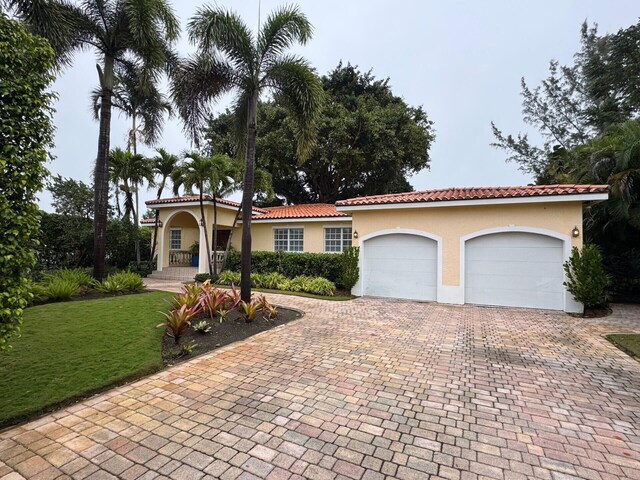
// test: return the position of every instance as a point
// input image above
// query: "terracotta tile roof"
(150, 221)
(196, 198)
(311, 210)
(474, 193)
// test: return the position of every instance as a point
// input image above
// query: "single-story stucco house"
(489, 246)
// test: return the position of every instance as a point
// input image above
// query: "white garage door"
(400, 266)
(516, 270)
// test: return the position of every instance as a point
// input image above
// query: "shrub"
(292, 264)
(177, 321)
(203, 277)
(75, 275)
(229, 278)
(145, 268)
(57, 289)
(212, 300)
(268, 311)
(26, 131)
(249, 310)
(586, 277)
(350, 269)
(121, 282)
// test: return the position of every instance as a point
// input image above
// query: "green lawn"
(70, 349)
(629, 342)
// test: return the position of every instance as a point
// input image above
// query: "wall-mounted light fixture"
(355, 234)
(202, 222)
(575, 232)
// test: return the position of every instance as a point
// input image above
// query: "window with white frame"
(288, 239)
(336, 239)
(175, 239)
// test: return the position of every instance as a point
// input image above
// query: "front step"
(184, 274)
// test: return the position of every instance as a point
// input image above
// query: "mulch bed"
(233, 329)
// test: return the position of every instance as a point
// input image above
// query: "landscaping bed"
(232, 329)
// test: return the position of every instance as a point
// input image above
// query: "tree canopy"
(369, 141)
(71, 197)
(577, 102)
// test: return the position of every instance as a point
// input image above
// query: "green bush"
(57, 289)
(277, 281)
(145, 268)
(121, 282)
(202, 277)
(228, 277)
(586, 278)
(78, 276)
(350, 269)
(26, 133)
(292, 264)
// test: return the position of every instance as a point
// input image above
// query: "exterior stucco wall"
(453, 223)
(262, 234)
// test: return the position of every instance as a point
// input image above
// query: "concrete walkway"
(365, 389)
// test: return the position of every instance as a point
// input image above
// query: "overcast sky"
(461, 60)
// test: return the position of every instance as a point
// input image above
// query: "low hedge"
(277, 281)
(292, 264)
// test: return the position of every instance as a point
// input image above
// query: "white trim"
(359, 287)
(299, 220)
(286, 227)
(570, 305)
(197, 204)
(167, 224)
(582, 197)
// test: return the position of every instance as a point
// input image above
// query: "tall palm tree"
(121, 32)
(230, 58)
(132, 170)
(164, 165)
(118, 178)
(139, 99)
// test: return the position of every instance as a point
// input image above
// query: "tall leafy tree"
(71, 197)
(164, 166)
(577, 102)
(120, 32)
(369, 142)
(26, 131)
(230, 58)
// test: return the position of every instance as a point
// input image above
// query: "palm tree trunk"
(215, 234)
(136, 212)
(233, 227)
(204, 225)
(155, 226)
(101, 174)
(247, 199)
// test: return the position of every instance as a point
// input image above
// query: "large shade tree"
(121, 32)
(369, 142)
(231, 59)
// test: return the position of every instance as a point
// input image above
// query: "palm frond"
(283, 28)
(197, 82)
(298, 88)
(214, 29)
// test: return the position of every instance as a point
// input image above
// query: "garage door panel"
(529, 283)
(515, 269)
(400, 266)
(513, 298)
(516, 254)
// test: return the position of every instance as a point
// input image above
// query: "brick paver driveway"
(365, 389)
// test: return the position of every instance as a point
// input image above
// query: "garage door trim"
(570, 305)
(406, 231)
